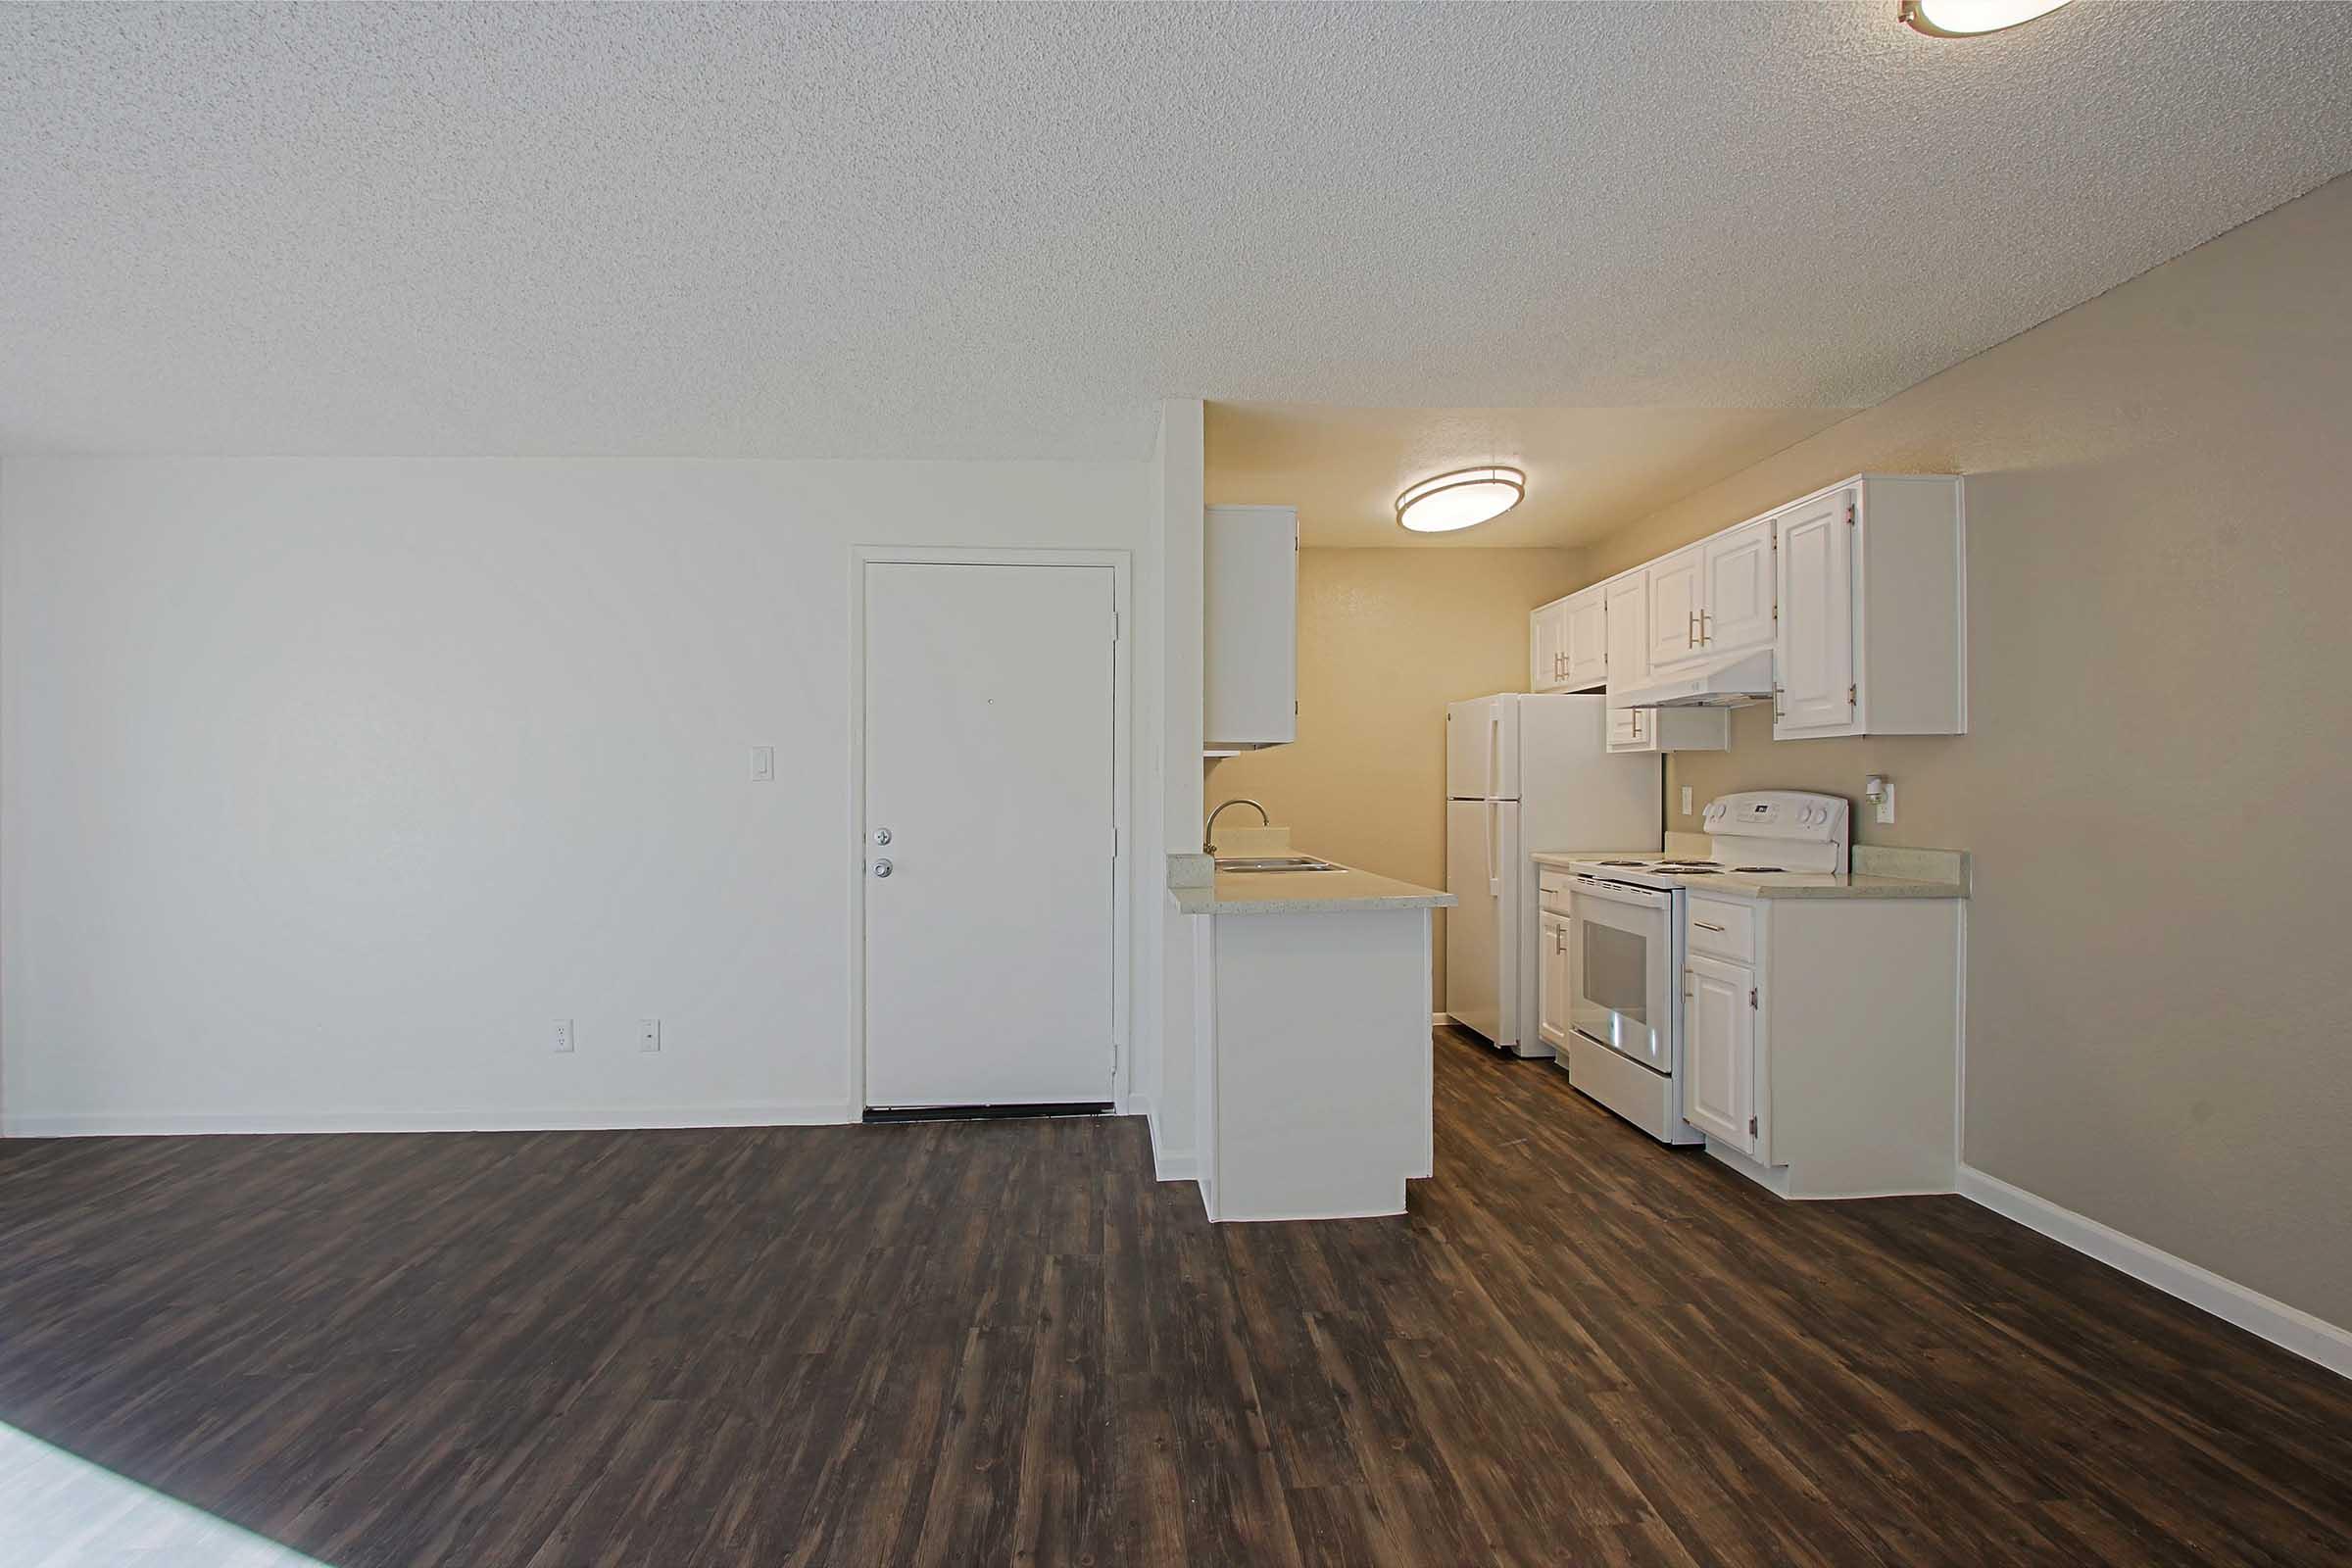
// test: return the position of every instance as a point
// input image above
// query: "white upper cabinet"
(1813, 661)
(1712, 598)
(1735, 614)
(1872, 594)
(1249, 650)
(1676, 590)
(1627, 600)
(1587, 655)
(1649, 729)
(1548, 647)
(1568, 644)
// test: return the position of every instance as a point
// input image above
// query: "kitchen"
(1800, 1020)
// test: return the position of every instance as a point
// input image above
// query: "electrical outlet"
(763, 765)
(649, 1034)
(563, 1037)
(1685, 800)
(1881, 789)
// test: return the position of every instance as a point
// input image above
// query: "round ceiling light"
(1462, 499)
(1965, 18)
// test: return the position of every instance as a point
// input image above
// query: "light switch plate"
(1685, 800)
(764, 764)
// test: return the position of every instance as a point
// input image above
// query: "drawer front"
(1552, 889)
(1723, 930)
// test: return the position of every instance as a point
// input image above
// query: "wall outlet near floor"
(649, 1034)
(563, 1037)
(764, 764)
(1685, 800)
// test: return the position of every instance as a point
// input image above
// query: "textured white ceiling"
(982, 230)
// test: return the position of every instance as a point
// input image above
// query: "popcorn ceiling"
(1005, 232)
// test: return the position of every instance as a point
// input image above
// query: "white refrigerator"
(1526, 774)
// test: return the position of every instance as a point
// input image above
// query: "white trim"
(1439, 1020)
(562, 1119)
(2287, 1327)
(1960, 1042)
(1286, 1219)
(1167, 1164)
(1121, 563)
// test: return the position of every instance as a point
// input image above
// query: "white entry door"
(990, 765)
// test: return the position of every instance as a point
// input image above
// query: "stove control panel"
(1778, 815)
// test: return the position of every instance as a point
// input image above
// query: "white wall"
(326, 784)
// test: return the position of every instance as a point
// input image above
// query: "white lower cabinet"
(1719, 1033)
(1551, 982)
(1826, 1066)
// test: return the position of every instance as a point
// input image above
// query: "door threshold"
(890, 1114)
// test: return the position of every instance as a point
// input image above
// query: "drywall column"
(1181, 499)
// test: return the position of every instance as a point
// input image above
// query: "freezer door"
(1481, 749)
(1473, 952)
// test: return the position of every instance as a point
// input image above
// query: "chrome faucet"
(1208, 832)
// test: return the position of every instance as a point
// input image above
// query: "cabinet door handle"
(1704, 636)
(1703, 926)
(1691, 629)
(1777, 689)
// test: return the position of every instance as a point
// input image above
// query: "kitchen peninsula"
(1312, 1010)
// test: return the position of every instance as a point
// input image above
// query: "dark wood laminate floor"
(1000, 1343)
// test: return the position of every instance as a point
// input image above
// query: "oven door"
(1621, 967)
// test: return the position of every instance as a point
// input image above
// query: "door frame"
(1121, 563)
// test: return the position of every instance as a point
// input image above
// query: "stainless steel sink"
(1277, 862)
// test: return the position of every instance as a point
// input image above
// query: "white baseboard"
(1439, 1020)
(589, 1118)
(2287, 1327)
(1167, 1164)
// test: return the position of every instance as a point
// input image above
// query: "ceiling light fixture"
(1966, 18)
(1462, 499)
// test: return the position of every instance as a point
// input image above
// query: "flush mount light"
(1461, 499)
(1965, 18)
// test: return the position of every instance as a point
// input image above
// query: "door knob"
(881, 868)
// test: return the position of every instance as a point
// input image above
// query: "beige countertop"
(1930, 879)
(1345, 890)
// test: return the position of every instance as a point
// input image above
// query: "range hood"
(1731, 682)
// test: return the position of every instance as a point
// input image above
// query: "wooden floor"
(1004, 1343)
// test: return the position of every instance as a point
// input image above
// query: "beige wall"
(2160, 576)
(1386, 638)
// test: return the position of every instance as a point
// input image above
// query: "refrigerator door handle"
(1495, 749)
(1493, 871)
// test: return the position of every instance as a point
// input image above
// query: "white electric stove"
(1624, 946)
